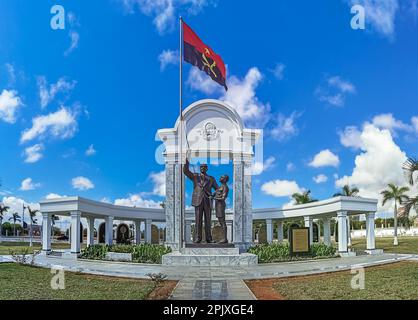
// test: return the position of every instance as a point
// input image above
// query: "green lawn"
(5, 247)
(393, 282)
(406, 245)
(19, 282)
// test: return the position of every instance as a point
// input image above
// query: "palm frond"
(409, 167)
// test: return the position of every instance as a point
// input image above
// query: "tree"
(15, 217)
(32, 216)
(410, 167)
(3, 210)
(303, 198)
(347, 191)
(397, 194)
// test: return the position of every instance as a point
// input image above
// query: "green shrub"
(281, 252)
(144, 253)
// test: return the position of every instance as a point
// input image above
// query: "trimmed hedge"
(144, 253)
(281, 252)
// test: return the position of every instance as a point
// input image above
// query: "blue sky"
(337, 105)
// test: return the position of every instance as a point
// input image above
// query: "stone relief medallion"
(210, 132)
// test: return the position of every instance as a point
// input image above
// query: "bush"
(281, 252)
(144, 253)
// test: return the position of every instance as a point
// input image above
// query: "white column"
(342, 231)
(90, 231)
(280, 235)
(138, 232)
(371, 244)
(46, 233)
(109, 231)
(148, 235)
(327, 230)
(188, 232)
(269, 226)
(229, 231)
(349, 231)
(75, 232)
(309, 224)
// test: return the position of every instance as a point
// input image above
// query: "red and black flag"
(202, 56)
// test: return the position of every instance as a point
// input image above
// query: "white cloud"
(325, 158)
(54, 196)
(61, 124)
(82, 183)
(159, 180)
(11, 72)
(165, 12)
(199, 81)
(47, 93)
(16, 205)
(414, 121)
(335, 91)
(378, 164)
(388, 121)
(91, 151)
(242, 96)
(75, 39)
(285, 127)
(320, 179)
(34, 153)
(278, 71)
(351, 137)
(168, 57)
(281, 188)
(28, 185)
(136, 200)
(290, 167)
(9, 104)
(260, 167)
(380, 14)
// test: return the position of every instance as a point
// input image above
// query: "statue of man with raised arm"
(203, 185)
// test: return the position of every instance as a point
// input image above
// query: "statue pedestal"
(210, 256)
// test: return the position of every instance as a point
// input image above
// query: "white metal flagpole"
(182, 220)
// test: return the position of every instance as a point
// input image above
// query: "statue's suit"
(201, 201)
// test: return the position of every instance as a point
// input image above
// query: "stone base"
(210, 257)
(70, 256)
(347, 254)
(119, 257)
(374, 252)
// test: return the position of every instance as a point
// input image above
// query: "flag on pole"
(197, 53)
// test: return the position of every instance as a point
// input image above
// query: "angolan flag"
(202, 56)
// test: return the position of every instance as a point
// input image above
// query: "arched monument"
(214, 131)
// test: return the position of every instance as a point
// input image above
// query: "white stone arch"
(213, 130)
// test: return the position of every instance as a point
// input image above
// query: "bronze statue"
(201, 200)
(220, 206)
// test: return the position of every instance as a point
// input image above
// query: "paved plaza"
(216, 283)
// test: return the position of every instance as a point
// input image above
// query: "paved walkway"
(216, 283)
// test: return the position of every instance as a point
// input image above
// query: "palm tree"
(3, 210)
(15, 217)
(347, 191)
(396, 194)
(32, 215)
(303, 198)
(409, 167)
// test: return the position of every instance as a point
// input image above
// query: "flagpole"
(182, 220)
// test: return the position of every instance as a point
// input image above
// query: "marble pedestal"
(210, 257)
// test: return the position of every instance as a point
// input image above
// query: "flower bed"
(281, 252)
(144, 253)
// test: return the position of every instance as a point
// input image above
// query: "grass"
(5, 247)
(391, 282)
(406, 245)
(18, 282)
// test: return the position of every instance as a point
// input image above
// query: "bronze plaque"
(299, 243)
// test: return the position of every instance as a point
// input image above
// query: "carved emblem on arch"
(210, 132)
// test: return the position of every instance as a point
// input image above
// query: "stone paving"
(216, 283)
